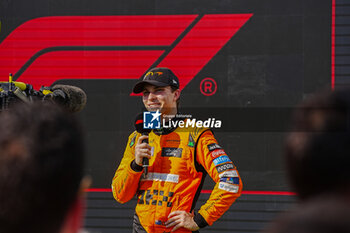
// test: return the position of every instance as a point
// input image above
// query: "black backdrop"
(281, 55)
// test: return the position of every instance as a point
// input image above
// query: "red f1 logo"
(44, 50)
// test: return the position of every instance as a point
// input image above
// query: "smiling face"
(160, 98)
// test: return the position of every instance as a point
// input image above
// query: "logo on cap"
(151, 73)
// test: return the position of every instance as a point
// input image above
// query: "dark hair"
(41, 167)
(318, 150)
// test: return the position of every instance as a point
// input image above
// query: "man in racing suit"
(179, 159)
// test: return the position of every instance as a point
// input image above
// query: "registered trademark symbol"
(208, 86)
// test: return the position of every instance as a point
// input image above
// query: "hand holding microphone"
(142, 148)
(143, 153)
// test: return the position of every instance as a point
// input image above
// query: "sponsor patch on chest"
(154, 176)
(132, 142)
(191, 141)
(172, 152)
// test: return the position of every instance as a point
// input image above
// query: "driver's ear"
(177, 94)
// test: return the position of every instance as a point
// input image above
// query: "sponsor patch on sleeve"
(218, 152)
(221, 160)
(213, 146)
(224, 167)
(230, 180)
(232, 173)
(229, 187)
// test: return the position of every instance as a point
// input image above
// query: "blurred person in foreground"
(317, 153)
(317, 150)
(320, 215)
(41, 170)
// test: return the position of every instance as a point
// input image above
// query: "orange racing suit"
(180, 160)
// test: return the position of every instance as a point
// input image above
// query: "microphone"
(71, 97)
(139, 128)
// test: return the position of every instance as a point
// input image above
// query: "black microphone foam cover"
(75, 98)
